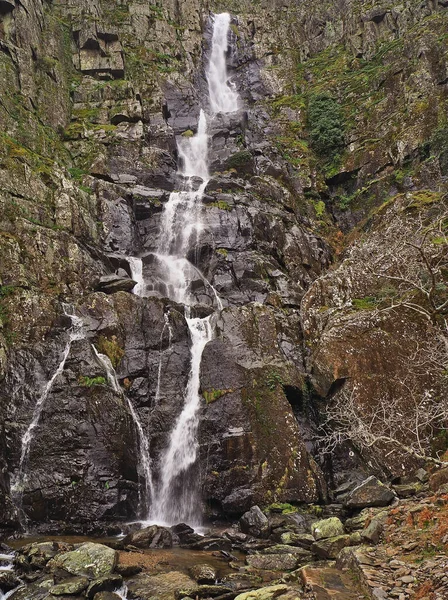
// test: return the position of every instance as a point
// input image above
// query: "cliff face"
(345, 108)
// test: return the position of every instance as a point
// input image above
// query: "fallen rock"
(70, 587)
(162, 586)
(255, 523)
(107, 596)
(8, 581)
(370, 492)
(273, 562)
(372, 533)
(327, 528)
(202, 591)
(89, 560)
(303, 540)
(204, 573)
(109, 583)
(267, 593)
(438, 479)
(150, 537)
(110, 284)
(329, 548)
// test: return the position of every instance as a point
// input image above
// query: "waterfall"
(136, 265)
(75, 333)
(223, 95)
(167, 325)
(145, 466)
(177, 495)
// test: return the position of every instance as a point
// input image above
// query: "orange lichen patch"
(424, 590)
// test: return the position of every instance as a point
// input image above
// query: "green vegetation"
(239, 159)
(111, 348)
(221, 204)
(213, 395)
(282, 507)
(274, 380)
(326, 126)
(91, 381)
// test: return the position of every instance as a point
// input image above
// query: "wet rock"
(150, 537)
(327, 528)
(329, 548)
(106, 596)
(301, 553)
(255, 523)
(162, 587)
(89, 560)
(303, 540)
(370, 492)
(274, 562)
(70, 587)
(111, 284)
(8, 581)
(266, 593)
(203, 573)
(203, 591)
(108, 583)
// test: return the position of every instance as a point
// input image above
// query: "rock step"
(328, 583)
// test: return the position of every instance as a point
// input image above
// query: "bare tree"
(387, 426)
(408, 259)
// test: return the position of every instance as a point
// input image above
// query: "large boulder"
(329, 548)
(255, 523)
(327, 528)
(370, 492)
(89, 560)
(150, 537)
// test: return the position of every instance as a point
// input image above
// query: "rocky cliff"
(336, 164)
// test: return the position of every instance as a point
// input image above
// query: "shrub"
(111, 348)
(326, 125)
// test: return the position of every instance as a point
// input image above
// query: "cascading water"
(145, 466)
(136, 265)
(75, 333)
(223, 95)
(170, 337)
(177, 494)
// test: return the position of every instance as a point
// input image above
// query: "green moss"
(222, 251)
(111, 348)
(221, 204)
(282, 507)
(239, 159)
(91, 381)
(213, 395)
(188, 133)
(366, 303)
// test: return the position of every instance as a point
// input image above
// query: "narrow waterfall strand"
(144, 456)
(223, 95)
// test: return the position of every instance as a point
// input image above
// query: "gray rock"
(89, 560)
(70, 587)
(327, 528)
(203, 573)
(108, 583)
(150, 537)
(274, 562)
(111, 284)
(255, 523)
(329, 548)
(370, 492)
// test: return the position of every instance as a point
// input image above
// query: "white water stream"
(145, 466)
(75, 333)
(176, 495)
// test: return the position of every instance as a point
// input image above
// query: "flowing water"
(176, 495)
(166, 326)
(145, 463)
(75, 333)
(223, 95)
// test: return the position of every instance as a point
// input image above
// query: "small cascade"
(145, 466)
(177, 495)
(75, 333)
(166, 326)
(136, 265)
(223, 95)
(176, 498)
(6, 562)
(121, 593)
